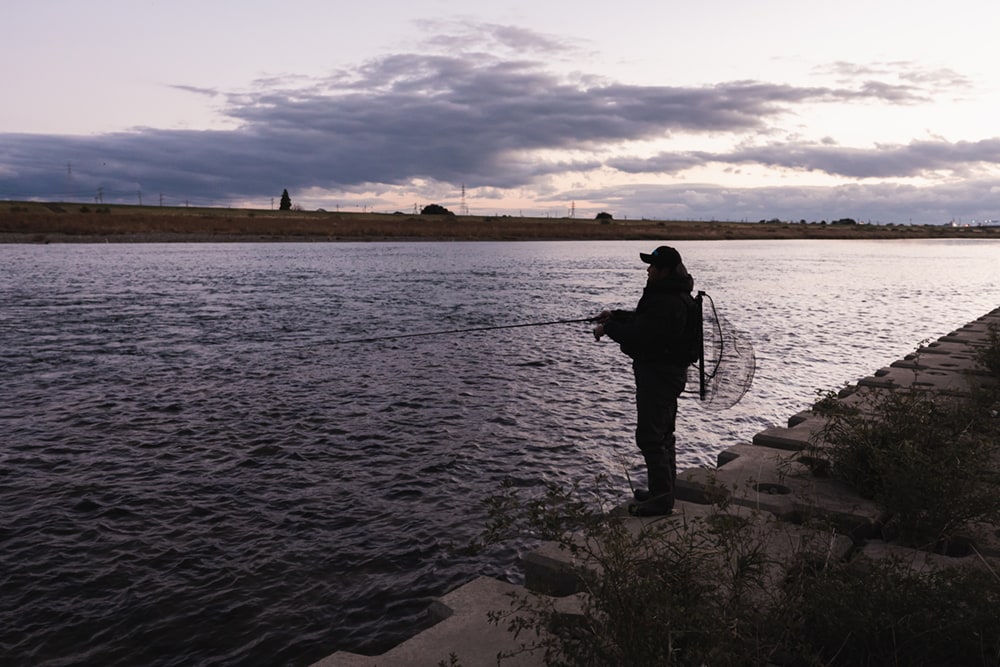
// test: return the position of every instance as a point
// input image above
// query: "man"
(653, 335)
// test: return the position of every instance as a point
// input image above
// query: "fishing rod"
(455, 331)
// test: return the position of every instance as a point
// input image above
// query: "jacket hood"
(672, 284)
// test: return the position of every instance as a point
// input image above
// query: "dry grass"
(25, 222)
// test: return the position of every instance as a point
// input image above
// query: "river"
(198, 467)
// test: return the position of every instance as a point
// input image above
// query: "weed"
(705, 589)
(684, 590)
(920, 457)
(888, 613)
(989, 355)
(930, 461)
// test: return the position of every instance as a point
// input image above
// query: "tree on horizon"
(286, 201)
(435, 209)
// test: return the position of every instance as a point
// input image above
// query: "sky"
(880, 111)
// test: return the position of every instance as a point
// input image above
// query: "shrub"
(703, 591)
(989, 356)
(888, 613)
(685, 591)
(927, 460)
(435, 209)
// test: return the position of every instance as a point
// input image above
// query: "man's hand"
(600, 318)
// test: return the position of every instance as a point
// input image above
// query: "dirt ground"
(35, 222)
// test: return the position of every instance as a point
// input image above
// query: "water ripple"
(195, 471)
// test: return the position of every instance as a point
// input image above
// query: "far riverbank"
(37, 222)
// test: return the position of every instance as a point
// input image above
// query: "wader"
(657, 386)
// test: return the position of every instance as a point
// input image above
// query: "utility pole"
(139, 192)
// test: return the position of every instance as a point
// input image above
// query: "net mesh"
(728, 360)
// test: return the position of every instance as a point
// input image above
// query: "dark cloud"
(480, 120)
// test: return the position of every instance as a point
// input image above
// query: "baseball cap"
(662, 257)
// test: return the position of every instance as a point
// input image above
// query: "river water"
(196, 468)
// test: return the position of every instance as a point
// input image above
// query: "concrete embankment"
(769, 478)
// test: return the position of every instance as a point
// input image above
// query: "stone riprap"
(770, 482)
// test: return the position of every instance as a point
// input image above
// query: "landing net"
(727, 366)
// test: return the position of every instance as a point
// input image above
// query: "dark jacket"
(654, 331)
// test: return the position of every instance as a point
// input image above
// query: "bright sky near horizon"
(881, 111)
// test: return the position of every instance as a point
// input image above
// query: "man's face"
(655, 273)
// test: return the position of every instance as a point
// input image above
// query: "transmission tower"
(464, 209)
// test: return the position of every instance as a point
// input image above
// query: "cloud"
(917, 159)
(497, 123)
(877, 203)
(930, 80)
(471, 36)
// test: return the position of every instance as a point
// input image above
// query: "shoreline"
(770, 480)
(40, 223)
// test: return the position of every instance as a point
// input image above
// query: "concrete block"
(697, 486)
(552, 569)
(464, 631)
(782, 484)
(783, 544)
(943, 382)
(799, 417)
(946, 347)
(734, 452)
(984, 539)
(975, 334)
(947, 362)
(925, 561)
(915, 559)
(792, 438)
(751, 479)
(829, 501)
(860, 398)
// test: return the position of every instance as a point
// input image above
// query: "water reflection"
(196, 467)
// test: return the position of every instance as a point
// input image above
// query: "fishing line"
(724, 371)
(468, 330)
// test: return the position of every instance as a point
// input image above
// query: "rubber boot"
(659, 499)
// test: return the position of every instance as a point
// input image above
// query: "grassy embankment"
(36, 222)
(738, 586)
